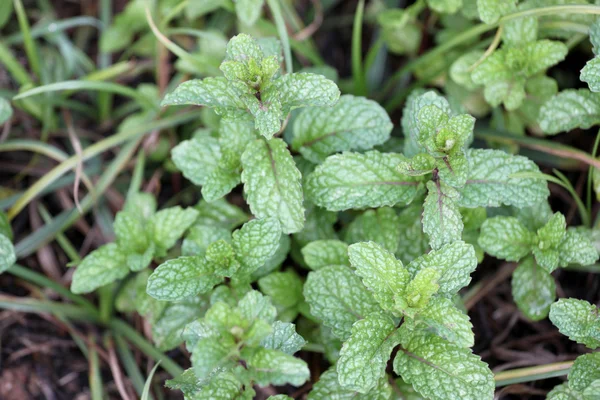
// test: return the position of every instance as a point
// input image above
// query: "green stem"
(62, 240)
(531, 374)
(105, 299)
(130, 365)
(94, 377)
(283, 34)
(41, 280)
(138, 341)
(360, 87)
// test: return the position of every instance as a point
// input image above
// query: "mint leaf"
(200, 236)
(211, 354)
(329, 388)
(272, 183)
(219, 183)
(182, 277)
(197, 158)
(455, 262)
(321, 253)
(305, 89)
(219, 93)
(585, 371)
(353, 123)
(353, 180)
(234, 136)
(248, 11)
(168, 328)
(445, 320)
(418, 292)
(489, 183)
(410, 124)
(564, 392)
(591, 74)
(385, 276)
(365, 354)
(533, 289)
(553, 232)
(412, 242)
(255, 243)
(445, 6)
(381, 226)
(576, 248)
(442, 221)
(101, 267)
(577, 319)
(460, 71)
(274, 367)
(285, 290)
(170, 224)
(131, 232)
(437, 369)
(570, 109)
(224, 386)
(338, 298)
(7, 254)
(506, 238)
(520, 30)
(220, 213)
(491, 10)
(283, 338)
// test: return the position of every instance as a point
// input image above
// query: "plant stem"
(138, 341)
(360, 87)
(530, 374)
(133, 372)
(94, 377)
(41, 280)
(283, 34)
(29, 44)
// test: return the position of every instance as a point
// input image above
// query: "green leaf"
(285, 290)
(553, 232)
(365, 354)
(321, 253)
(235, 134)
(216, 92)
(255, 243)
(585, 370)
(490, 184)
(305, 89)
(442, 221)
(212, 354)
(170, 224)
(418, 291)
(520, 30)
(591, 74)
(445, 320)
(5, 228)
(577, 319)
(445, 6)
(570, 109)
(460, 71)
(101, 267)
(220, 183)
(7, 254)
(197, 158)
(506, 238)
(167, 330)
(491, 10)
(220, 213)
(5, 110)
(131, 232)
(413, 241)
(455, 262)
(385, 276)
(283, 338)
(414, 103)
(272, 183)
(224, 386)
(181, 278)
(564, 392)
(248, 11)
(576, 248)
(533, 289)
(381, 226)
(200, 236)
(328, 388)
(274, 367)
(440, 370)
(338, 298)
(353, 180)
(353, 123)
